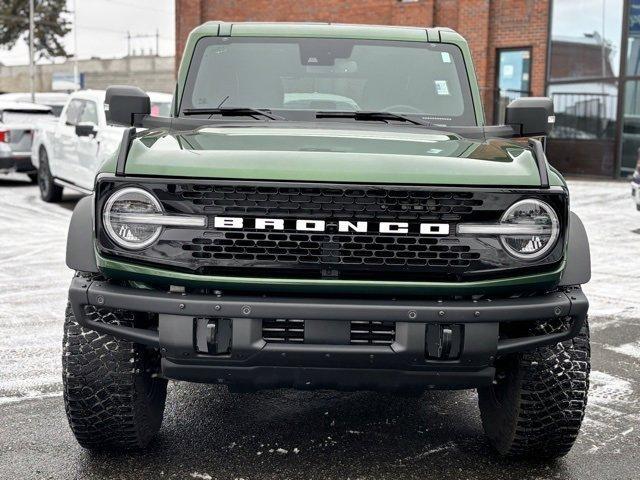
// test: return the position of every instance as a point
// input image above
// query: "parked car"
(17, 123)
(257, 240)
(635, 184)
(68, 152)
(55, 100)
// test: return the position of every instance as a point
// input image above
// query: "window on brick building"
(585, 39)
(583, 81)
(513, 78)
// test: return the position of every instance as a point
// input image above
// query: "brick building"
(571, 50)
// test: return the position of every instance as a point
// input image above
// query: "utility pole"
(32, 73)
(144, 50)
(76, 72)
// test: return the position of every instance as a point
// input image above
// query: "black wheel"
(33, 177)
(49, 191)
(112, 394)
(536, 406)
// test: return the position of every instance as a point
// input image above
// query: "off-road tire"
(536, 406)
(49, 191)
(112, 396)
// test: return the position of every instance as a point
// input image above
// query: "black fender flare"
(578, 258)
(80, 244)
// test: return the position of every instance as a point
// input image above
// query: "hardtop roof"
(322, 30)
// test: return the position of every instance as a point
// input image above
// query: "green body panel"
(130, 271)
(330, 152)
(332, 155)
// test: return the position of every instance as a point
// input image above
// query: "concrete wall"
(147, 72)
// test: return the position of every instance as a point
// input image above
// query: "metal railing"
(584, 115)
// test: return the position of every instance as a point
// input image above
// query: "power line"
(121, 32)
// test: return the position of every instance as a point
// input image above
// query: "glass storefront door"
(514, 72)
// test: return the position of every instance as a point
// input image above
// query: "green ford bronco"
(325, 208)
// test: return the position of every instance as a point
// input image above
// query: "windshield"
(425, 80)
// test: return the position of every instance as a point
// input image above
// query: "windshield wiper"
(364, 115)
(233, 112)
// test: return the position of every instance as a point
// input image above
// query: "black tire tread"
(54, 192)
(541, 414)
(110, 397)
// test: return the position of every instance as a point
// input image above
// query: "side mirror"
(126, 105)
(531, 116)
(86, 129)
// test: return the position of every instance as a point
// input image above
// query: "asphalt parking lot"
(209, 433)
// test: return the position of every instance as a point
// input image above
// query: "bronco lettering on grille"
(303, 225)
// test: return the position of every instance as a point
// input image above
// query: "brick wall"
(487, 24)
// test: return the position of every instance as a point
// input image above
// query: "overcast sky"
(103, 26)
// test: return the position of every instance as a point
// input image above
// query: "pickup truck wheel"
(112, 395)
(49, 191)
(536, 406)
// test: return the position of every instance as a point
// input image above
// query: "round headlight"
(535, 229)
(119, 218)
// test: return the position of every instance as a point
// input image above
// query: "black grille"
(289, 253)
(333, 250)
(283, 331)
(373, 333)
(384, 204)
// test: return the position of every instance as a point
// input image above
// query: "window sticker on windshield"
(446, 58)
(441, 87)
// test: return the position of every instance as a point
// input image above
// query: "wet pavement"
(210, 433)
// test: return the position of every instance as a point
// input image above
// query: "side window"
(89, 113)
(73, 112)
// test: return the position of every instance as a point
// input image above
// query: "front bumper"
(326, 361)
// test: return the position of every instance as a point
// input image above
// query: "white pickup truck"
(67, 152)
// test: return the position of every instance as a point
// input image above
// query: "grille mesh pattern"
(365, 204)
(338, 249)
(330, 248)
(373, 333)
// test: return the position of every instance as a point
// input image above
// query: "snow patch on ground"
(630, 349)
(611, 220)
(36, 395)
(201, 476)
(608, 389)
(607, 421)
